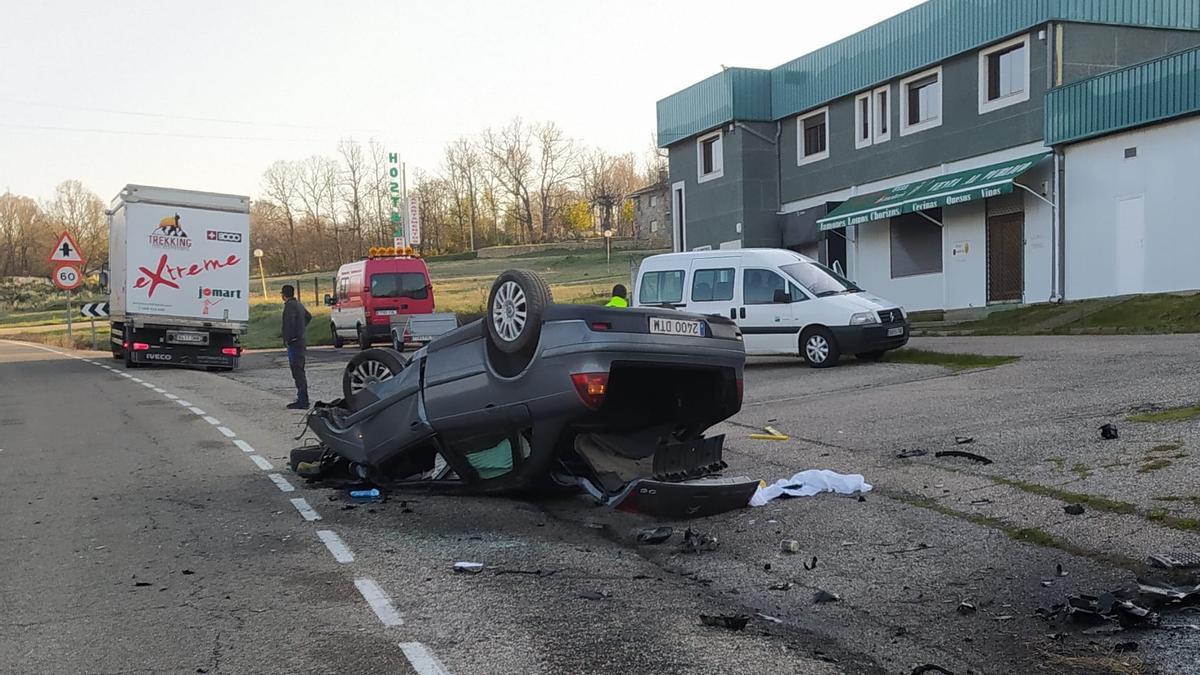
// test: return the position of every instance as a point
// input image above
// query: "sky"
(205, 95)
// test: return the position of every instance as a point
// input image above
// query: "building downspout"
(1060, 224)
(778, 167)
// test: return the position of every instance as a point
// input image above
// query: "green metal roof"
(933, 193)
(733, 94)
(1148, 92)
(928, 33)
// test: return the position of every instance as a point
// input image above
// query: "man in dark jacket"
(295, 320)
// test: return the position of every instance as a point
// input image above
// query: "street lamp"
(608, 250)
(258, 253)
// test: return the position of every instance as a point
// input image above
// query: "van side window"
(661, 288)
(343, 288)
(712, 285)
(759, 286)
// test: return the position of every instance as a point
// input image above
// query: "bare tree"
(79, 211)
(510, 161)
(315, 178)
(24, 231)
(354, 187)
(464, 168)
(280, 186)
(556, 168)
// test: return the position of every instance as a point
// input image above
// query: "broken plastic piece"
(655, 535)
(768, 617)
(963, 440)
(965, 607)
(1073, 509)
(789, 546)
(965, 455)
(468, 567)
(730, 621)
(1109, 432)
(821, 597)
(364, 496)
(811, 566)
(695, 542)
(784, 586)
(1181, 561)
(915, 452)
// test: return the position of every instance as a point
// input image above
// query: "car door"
(766, 314)
(712, 287)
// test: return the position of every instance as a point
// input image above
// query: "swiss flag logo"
(212, 235)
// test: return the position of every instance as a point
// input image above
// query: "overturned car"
(537, 395)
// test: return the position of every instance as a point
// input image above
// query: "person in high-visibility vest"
(618, 297)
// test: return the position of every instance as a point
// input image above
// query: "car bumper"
(864, 339)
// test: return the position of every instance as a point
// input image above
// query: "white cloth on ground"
(809, 483)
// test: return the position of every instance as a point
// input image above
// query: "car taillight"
(741, 389)
(601, 325)
(140, 347)
(591, 388)
(231, 351)
(125, 344)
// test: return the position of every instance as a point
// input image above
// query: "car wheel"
(338, 341)
(515, 308)
(368, 367)
(870, 356)
(818, 348)
(364, 341)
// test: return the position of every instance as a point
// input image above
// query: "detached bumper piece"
(691, 499)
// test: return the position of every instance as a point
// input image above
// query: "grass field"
(1143, 314)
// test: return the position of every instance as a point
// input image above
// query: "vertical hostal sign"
(394, 189)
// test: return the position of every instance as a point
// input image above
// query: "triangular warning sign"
(66, 250)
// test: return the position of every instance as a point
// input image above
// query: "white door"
(766, 315)
(1131, 246)
(713, 287)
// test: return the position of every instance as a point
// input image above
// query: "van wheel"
(368, 367)
(515, 308)
(818, 348)
(338, 342)
(364, 342)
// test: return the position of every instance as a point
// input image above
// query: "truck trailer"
(179, 277)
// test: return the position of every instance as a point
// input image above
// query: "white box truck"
(179, 276)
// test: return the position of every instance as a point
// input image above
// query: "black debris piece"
(1123, 647)
(532, 573)
(821, 597)
(695, 542)
(965, 607)
(1057, 637)
(930, 668)
(767, 567)
(1059, 571)
(187, 572)
(862, 498)
(979, 502)
(964, 454)
(729, 621)
(912, 549)
(1108, 607)
(1046, 583)
(655, 535)
(468, 567)
(1109, 432)
(1164, 591)
(811, 566)
(141, 584)
(784, 586)
(595, 595)
(915, 452)
(1073, 509)
(963, 440)
(1182, 561)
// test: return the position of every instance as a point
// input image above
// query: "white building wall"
(1039, 233)
(870, 263)
(964, 256)
(1161, 235)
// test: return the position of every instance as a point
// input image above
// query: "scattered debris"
(1107, 606)
(908, 454)
(1109, 432)
(695, 542)
(532, 573)
(1123, 647)
(366, 496)
(821, 597)
(930, 668)
(767, 617)
(785, 586)
(730, 621)
(141, 584)
(963, 440)
(1182, 561)
(1073, 509)
(978, 502)
(595, 595)
(1005, 617)
(964, 454)
(1169, 591)
(1046, 583)
(809, 483)
(789, 546)
(965, 607)
(771, 434)
(812, 566)
(1059, 571)
(655, 535)
(862, 498)
(187, 572)
(468, 567)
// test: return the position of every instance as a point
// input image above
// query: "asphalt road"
(108, 483)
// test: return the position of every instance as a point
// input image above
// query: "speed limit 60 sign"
(67, 277)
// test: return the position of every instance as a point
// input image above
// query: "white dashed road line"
(281, 482)
(379, 601)
(227, 432)
(423, 661)
(210, 419)
(197, 411)
(173, 397)
(336, 546)
(186, 404)
(246, 447)
(305, 510)
(264, 465)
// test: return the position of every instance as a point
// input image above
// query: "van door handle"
(742, 311)
(732, 313)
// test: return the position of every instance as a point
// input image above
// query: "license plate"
(896, 332)
(187, 338)
(661, 326)
(386, 312)
(422, 338)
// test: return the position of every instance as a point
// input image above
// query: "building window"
(653, 226)
(661, 288)
(653, 201)
(864, 122)
(813, 137)
(709, 157)
(1004, 74)
(712, 285)
(882, 113)
(921, 102)
(916, 244)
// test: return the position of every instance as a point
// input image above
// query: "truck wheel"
(338, 342)
(515, 308)
(364, 340)
(368, 367)
(818, 348)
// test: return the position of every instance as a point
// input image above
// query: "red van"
(372, 293)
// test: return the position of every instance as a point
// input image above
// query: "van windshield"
(819, 279)
(399, 285)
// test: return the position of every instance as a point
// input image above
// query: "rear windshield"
(399, 285)
(819, 279)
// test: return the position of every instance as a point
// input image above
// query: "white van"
(785, 303)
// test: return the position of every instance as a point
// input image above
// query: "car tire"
(367, 367)
(364, 340)
(818, 348)
(338, 340)
(515, 307)
(870, 356)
